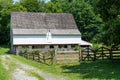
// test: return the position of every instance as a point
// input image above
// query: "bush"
(35, 51)
(96, 46)
(29, 51)
(76, 48)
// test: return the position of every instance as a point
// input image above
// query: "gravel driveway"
(21, 71)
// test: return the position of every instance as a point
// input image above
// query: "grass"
(4, 49)
(11, 64)
(35, 74)
(3, 73)
(98, 70)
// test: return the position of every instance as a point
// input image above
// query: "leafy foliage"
(5, 20)
(30, 5)
(88, 22)
(97, 20)
(53, 7)
(110, 11)
(35, 51)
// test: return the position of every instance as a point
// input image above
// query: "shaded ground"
(98, 70)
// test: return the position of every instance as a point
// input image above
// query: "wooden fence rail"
(46, 57)
(101, 53)
(86, 54)
(51, 57)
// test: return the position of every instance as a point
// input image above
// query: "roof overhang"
(53, 42)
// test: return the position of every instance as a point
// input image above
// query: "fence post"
(27, 55)
(95, 54)
(80, 55)
(33, 56)
(88, 53)
(51, 57)
(102, 53)
(44, 58)
(111, 54)
(54, 56)
(38, 56)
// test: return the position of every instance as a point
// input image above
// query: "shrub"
(35, 51)
(76, 48)
(96, 46)
(29, 51)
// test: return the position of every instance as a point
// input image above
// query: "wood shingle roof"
(56, 22)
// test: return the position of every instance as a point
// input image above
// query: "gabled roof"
(44, 31)
(33, 23)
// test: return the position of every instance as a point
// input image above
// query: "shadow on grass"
(4, 49)
(101, 69)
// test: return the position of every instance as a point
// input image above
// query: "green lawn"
(3, 73)
(97, 70)
(4, 49)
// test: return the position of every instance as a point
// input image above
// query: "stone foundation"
(18, 48)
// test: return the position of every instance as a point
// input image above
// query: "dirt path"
(20, 71)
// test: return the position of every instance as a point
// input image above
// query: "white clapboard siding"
(26, 40)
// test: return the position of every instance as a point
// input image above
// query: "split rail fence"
(86, 54)
(89, 54)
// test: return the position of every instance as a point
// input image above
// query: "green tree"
(110, 13)
(87, 21)
(30, 5)
(53, 7)
(5, 21)
(5, 3)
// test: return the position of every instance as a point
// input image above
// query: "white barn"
(44, 31)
